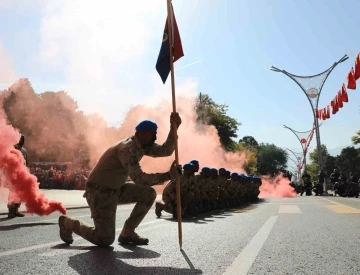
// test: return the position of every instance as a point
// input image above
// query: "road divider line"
(246, 258)
(349, 208)
(39, 246)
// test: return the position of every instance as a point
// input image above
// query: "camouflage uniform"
(107, 187)
(169, 195)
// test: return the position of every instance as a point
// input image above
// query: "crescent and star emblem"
(165, 37)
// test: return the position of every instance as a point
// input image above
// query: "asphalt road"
(302, 235)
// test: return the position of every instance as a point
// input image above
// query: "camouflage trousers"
(170, 203)
(223, 194)
(103, 204)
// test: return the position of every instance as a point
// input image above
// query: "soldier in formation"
(346, 187)
(209, 190)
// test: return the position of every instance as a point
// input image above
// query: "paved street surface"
(302, 235)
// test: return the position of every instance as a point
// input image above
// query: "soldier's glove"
(174, 171)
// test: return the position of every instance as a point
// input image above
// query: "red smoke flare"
(15, 174)
(277, 187)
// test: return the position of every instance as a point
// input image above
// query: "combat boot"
(12, 213)
(17, 213)
(129, 236)
(66, 226)
(158, 208)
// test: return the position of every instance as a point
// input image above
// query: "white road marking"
(334, 202)
(246, 258)
(289, 209)
(39, 246)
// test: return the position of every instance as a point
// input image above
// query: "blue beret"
(195, 162)
(214, 170)
(146, 126)
(188, 166)
(234, 174)
(222, 170)
(205, 169)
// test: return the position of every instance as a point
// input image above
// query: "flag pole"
(178, 195)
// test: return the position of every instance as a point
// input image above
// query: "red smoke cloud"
(276, 187)
(195, 141)
(15, 175)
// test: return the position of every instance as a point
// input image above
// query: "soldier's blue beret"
(188, 166)
(213, 170)
(205, 169)
(222, 170)
(195, 162)
(146, 126)
(234, 174)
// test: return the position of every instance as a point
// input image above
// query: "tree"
(215, 114)
(348, 160)
(250, 165)
(271, 159)
(329, 165)
(313, 168)
(356, 139)
(249, 142)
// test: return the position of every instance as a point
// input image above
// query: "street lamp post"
(312, 86)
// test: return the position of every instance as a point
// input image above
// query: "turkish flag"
(334, 106)
(340, 103)
(327, 112)
(344, 95)
(323, 114)
(316, 113)
(351, 80)
(357, 67)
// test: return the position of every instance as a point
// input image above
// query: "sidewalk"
(72, 199)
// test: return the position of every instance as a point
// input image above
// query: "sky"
(103, 53)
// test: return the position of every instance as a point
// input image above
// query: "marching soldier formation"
(209, 190)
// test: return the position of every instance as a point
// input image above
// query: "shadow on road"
(19, 225)
(204, 218)
(107, 261)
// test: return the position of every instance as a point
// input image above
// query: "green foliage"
(251, 158)
(356, 139)
(312, 169)
(249, 142)
(271, 159)
(215, 114)
(348, 160)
